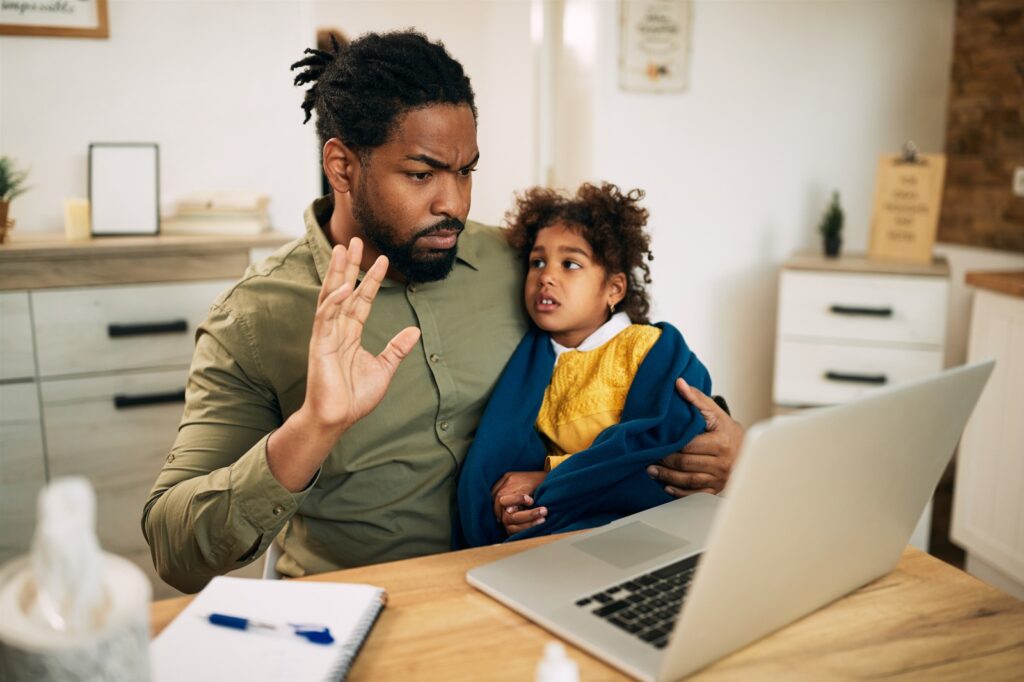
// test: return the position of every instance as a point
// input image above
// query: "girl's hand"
(513, 500)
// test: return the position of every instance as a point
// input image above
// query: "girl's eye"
(571, 265)
(536, 262)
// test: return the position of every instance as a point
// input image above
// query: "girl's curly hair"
(611, 221)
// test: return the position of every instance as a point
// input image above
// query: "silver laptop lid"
(819, 505)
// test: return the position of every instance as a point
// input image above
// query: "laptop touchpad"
(633, 543)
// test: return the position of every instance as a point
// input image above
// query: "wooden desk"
(926, 620)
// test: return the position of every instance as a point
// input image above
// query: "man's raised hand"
(344, 381)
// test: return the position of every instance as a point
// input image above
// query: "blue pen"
(318, 634)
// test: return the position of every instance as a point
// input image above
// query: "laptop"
(817, 506)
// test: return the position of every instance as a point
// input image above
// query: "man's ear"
(341, 164)
(616, 288)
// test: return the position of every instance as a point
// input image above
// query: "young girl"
(587, 400)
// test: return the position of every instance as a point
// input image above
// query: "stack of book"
(223, 213)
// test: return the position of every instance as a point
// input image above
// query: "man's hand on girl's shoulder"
(705, 464)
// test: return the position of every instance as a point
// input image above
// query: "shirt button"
(277, 510)
(434, 357)
(444, 426)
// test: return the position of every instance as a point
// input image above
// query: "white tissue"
(70, 612)
(66, 559)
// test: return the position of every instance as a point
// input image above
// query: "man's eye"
(536, 262)
(466, 172)
(420, 176)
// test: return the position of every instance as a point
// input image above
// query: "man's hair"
(611, 221)
(359, 91)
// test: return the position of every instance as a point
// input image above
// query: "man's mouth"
(442, 239)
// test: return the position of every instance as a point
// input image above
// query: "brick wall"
(985, 129)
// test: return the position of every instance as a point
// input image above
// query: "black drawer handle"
(857, 378)
(861, 310)
(123, 402)
(172, 327)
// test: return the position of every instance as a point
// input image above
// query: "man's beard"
(424, 265)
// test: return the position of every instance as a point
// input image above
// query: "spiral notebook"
(191, 649)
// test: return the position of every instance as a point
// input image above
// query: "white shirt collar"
(602, 335)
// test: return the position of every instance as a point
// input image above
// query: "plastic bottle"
(556, 666)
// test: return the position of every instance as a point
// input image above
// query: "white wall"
(209, 82)
(787, 101)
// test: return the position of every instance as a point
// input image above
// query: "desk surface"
(926, 620)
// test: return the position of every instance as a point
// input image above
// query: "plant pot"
(5, 227)
(832, 246)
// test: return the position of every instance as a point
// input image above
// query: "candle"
(76, 219)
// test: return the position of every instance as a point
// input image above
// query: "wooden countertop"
(858, 262)
(40, 260)
(1009, 282)
(923, 621)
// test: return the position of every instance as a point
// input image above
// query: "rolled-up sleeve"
(215, 505)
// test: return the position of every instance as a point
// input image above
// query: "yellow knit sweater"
(588, 391)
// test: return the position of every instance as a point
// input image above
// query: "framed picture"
(654, 45)
(66, 18)
(124, 188)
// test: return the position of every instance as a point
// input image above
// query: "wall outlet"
(1018, 181)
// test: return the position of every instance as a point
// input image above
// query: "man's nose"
(452, 198)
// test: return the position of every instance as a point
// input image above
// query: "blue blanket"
(603, 483)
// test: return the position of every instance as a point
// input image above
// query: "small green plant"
(12, 180)
(831, 225)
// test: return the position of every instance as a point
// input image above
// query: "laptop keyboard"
(645, 606)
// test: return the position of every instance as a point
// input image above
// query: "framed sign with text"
(62, 18)
(908, 197)
(654, 46)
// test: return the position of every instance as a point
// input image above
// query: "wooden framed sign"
(654, 45)
(67, 18)
(908, 197)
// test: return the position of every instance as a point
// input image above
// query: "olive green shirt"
(387, 488)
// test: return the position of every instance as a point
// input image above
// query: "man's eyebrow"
(438, 164)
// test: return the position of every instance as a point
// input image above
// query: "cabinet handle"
(123, 402)
(172, 327)
(861, 310)
(857, 378)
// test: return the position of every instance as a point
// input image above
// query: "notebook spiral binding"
(350, 649)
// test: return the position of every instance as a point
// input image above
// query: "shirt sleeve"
(216, 506)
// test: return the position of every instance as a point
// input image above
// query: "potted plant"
(12, 183)
(831, 227)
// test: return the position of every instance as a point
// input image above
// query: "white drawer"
(884, 308)
(99, 329)
(22, 470)
(15, 337)
(808, 373)
(120, 451)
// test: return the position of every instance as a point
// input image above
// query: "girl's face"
(567, 293)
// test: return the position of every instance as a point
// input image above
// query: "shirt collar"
(318, 214)
(602, 335)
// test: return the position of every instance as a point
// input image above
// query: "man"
(307, 414)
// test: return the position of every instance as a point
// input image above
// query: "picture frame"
(905, 214)
(63, 18)
(654, 45)
(124, 188)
